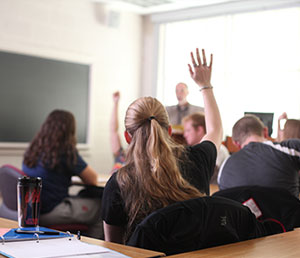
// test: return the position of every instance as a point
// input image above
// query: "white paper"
(50, 248)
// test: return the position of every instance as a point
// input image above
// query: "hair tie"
(151, 117)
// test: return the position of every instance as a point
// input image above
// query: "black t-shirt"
(197, 171)
(199, 167)
(267, 164)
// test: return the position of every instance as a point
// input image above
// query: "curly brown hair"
(55, 138)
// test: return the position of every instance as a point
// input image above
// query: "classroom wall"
(86, 32)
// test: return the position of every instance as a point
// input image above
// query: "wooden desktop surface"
(127, 250)
(275, 246)
(213, 188)
(101, 181)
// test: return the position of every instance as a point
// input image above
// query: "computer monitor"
(266, 118)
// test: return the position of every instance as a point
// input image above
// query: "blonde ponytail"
(151, 178)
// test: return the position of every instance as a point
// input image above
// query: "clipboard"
(15, 245)
(37, 234)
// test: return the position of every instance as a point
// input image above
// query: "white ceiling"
(155, 6)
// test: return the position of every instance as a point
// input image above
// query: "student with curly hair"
(52, 155)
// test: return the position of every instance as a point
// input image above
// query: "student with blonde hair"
(157, 171)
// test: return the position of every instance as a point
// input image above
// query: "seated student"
(260, 162)
(158, 171)
(193, 131)
(52, 155)
(115, 141)
(290, 130)
(183, 108)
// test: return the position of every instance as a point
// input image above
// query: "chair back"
(196, 224)
(8, 187)
(267, 203)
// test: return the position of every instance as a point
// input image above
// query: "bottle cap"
(29, 180)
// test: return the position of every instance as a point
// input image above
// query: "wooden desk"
(127, 250)
(275, 246)
(102, 179)
(213, 188)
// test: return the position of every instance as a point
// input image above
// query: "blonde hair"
(151, 178)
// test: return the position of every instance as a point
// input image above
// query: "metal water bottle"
(29, 192)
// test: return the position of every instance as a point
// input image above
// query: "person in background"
(194, 129)
(291, 128)
(183, 108)
(115, 141)
(52, 155)
(260, 161)
(159, 171)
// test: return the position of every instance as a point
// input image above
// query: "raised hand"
(201, 73)
(283, 116)
(116, 96)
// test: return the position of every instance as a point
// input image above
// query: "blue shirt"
(55, 183)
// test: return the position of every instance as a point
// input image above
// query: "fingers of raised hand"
(200, 63)
(204, 58)
(191, 70)
(193, 60)
(211, 60)
(198, 56)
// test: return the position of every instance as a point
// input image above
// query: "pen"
(20, 231)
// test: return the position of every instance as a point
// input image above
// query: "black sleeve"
(200, 167)
(206, 151)
(292, 148)
(291, 144)
(113, 212)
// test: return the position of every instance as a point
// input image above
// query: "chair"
(267, 203)
(199, 223)
(8, 188)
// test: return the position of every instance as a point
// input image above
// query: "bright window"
(256, 64)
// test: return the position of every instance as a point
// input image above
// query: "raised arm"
(201, 74)
(89, 176)
(280, 137)
(114, 125)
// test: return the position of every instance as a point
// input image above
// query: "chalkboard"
(31, 87)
